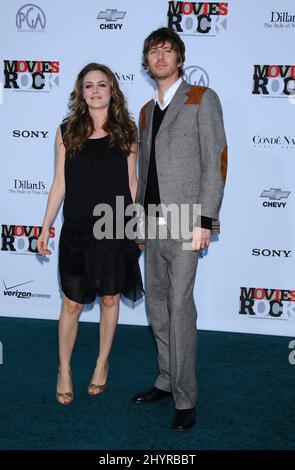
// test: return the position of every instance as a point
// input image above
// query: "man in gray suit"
(183, 160)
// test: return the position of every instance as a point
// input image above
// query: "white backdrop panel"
(256, 245)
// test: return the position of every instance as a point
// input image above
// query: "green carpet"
(246, 392)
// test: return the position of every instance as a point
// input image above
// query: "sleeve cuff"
(204, 222)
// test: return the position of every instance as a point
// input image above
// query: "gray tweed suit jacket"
(190, 152)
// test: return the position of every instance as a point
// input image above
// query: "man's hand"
(201, 238)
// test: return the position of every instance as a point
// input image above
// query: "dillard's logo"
(22, 239)
(21, 187)
(197, 18)
(274, 80)
(280, 19)
(26, 184)
(31, 75)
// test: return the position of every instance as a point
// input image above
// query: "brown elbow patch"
(142, 119)
(194, 94)
(223, 167)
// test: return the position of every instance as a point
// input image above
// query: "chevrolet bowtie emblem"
(111, 15)
(275, 194)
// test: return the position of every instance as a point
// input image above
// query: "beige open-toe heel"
(96, 389)
(64, 398)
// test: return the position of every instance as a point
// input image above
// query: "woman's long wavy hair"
(78, 124)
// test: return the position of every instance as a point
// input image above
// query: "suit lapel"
(149, 119)
(175, 106)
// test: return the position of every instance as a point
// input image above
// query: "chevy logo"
(275, 194)
(111, 15)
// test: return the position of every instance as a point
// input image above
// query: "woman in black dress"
(95, 163)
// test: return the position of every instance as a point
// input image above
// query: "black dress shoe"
(151, 395)
(184, 420)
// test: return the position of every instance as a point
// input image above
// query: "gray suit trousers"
(170, 278)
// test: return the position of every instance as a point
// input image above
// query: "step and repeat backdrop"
(243, 49)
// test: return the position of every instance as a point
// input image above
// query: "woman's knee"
(72, 307)
(109, 300)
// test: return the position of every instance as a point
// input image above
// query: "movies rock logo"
(275, 81)
(22, 239)
(268, 304)
(31, 75)
(197, 18)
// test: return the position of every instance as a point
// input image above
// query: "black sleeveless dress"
(89, 266)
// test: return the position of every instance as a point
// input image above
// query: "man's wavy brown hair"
(159, 37)
(79, 126)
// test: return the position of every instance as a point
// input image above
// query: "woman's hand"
(42, 243)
